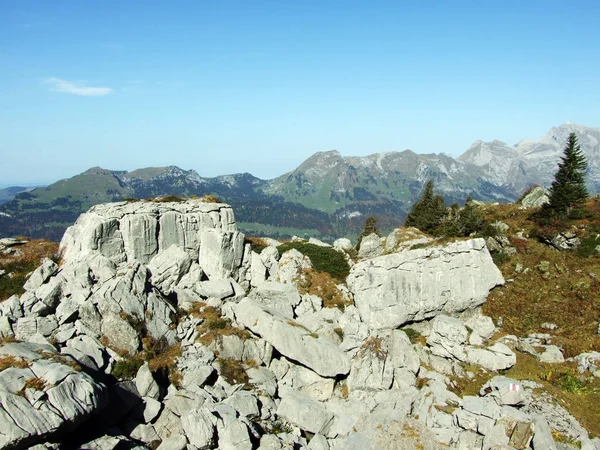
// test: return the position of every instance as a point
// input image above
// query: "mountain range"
(328, 195)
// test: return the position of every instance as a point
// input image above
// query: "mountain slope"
(328, 195)
(535, 161)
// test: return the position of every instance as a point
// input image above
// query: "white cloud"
(68, 87)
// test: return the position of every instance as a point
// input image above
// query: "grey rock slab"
(413, 285)
(90, 347)
(120, 333)
(41, 275)
(221, 253)
(304, 412)
(535, 198)
(235, 436)
(506, 391)
(220, 288)
(199, 426)
(175, 442)
(146, 384)
(168, 267)
(292, 340)
(552, 354)
(447, 338)
(279, 297)
(371, 246)
(343, 244)
(291, 264)
(542, 438)
(6, 330)
(496, 357)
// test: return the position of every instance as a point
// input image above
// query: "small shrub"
(256, 244)
(214, 326)
(588, 247)
(499, 258)
(169, 199)
(127, 368)
(413, 335)
(323, 259)
(210, 199)
(233, 371)
(323, 286)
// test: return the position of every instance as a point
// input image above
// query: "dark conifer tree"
(568, 191)
(428, 212)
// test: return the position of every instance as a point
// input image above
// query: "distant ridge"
(328, 195)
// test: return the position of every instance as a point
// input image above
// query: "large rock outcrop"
(413, 285)
(137, 231)
(42, 393)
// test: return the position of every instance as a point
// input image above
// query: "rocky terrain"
(161, 326)
(327, 196)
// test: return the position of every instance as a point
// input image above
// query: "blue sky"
(258, 86)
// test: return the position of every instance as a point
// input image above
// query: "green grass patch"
(323, 259)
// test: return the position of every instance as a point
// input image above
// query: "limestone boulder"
(42, 395)
(292, 339)
(535, 198)
(413, 285)
(168, 267)
(290, 265)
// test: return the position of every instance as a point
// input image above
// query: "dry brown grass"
(35, 383)
(567, 295)
(323, 286)
(11, 361)
(374, 346)
(210, 199)
(30, 257)
(256, 244)
(234, 372)
(214, 326)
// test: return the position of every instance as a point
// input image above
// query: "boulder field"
(162, 328)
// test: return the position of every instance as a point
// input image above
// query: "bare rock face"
(413, 285)
(42, 394)
(138, 231)
(535, 198)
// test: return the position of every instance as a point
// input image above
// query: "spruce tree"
(568, 191)
(428, 212)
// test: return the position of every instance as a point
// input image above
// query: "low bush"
(323, 259)
(323, 286)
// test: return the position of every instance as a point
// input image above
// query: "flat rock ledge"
(293, 340)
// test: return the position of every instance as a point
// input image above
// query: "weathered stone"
(220, 288)
(552, 354)
(506, 390)
(496, 357)
(447, 337)
(371, 246)
(168, 267)
(535, 198)
(279, 297)
(67, 397)
(221, 253)
(417, 284)
(304, 412)
(291, 264)
(120, 334)
(146, 384)
(41, 275)
(199, 426)
(292, 340)
(343, 244)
